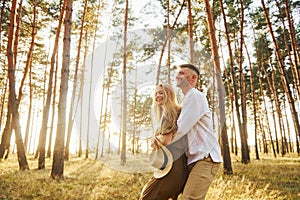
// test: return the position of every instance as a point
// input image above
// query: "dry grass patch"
(87, 179)
(264, 179)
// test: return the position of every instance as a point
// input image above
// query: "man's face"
(183, 77)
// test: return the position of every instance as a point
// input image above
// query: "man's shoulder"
(196, 93)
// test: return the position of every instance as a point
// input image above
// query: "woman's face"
(159, 95)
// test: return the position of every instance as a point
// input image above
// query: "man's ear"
(194, 77)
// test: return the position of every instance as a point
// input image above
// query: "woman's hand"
(165, 139)
(154, 144)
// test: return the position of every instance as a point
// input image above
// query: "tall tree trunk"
(1, 20)
(265, 109)
(288, 126)
(225, 145)
(89, 105)
(6, 81)
(23, 165)
(232, 70)
(253, 98)
(273, 94)
(124, 113)
(58, 156)
(165, 44)
(31, 145)
(3, 97)
(103, 123)
(107, 86)
(71, 118)
(43, 132)
(272, 110)
(100, 125)
(16, 40)
(264, 138)
(28, 67)
(29, 109)
(294, 45)
(190, 27)
(169, 39)
(48, 155)
(135, 135)
(106, 112)
(283, 76)
(14, 52)
(91, 82)
(243, 128)
(232, 121)
(6, 135)
(81, 92)
(288, 44)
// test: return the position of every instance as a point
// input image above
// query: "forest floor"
(85, 179)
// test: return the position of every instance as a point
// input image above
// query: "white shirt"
(195, 120)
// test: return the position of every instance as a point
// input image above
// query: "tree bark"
(58, 156)
(124, 113)
(3, 97)
(283, 76)
(266, 110)
(253, 98)
(6, 135)
(232, 70)
(18, 21)
(27, 133)
(190, 27)
(165, 44)
(13, 102)
(28, 68)
(43, 131)
(71, 112)
(243, 128)
(1, 20)
(225, 145)
(169, 39)
(81, 92)
(294, 45)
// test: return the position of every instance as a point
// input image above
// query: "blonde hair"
(165, 116)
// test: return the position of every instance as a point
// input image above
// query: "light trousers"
(201, 175)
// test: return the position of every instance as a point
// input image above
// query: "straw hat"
(161, 160)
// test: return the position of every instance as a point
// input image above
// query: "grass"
(86, 179)
(267, 178)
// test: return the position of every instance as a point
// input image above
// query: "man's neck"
(186, 89)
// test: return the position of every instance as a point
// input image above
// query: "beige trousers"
(201, 175)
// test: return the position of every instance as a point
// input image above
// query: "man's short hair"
(190, 66)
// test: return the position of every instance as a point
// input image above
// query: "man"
(195, 120)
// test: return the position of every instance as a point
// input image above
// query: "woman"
(165, 112)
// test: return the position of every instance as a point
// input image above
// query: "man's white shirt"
(195, 120)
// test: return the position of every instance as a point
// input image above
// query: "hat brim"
(159, 173)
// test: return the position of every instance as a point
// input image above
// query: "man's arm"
(194, 107)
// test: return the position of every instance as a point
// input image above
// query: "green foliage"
(5, 9)
(52, 8)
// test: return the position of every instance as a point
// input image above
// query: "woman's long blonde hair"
(165, 116)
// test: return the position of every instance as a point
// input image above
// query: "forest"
(77, 79)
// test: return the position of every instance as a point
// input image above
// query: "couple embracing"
(185, 136)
